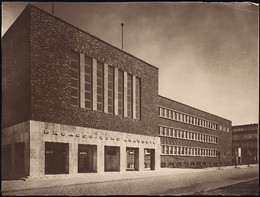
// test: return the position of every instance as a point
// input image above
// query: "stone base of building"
(36, 149)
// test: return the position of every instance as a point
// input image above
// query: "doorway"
(6, 161)
(149, 159)
(19, 159)
(56, 158)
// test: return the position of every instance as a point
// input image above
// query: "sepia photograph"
(130, 98)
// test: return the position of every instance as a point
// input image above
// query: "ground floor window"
(132, 159)
(112, 158)
(87, 158)
(56, 158)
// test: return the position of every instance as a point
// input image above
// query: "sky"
(207, 53)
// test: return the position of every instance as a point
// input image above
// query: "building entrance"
(132, 159)
(149, 159)
(19, 159)
(56, 158)
(112, 158)
(87, 158)
(6, 161)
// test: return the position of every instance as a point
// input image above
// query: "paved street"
(245, 188)
(165, 182)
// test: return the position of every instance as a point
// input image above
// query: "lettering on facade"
(63, 133)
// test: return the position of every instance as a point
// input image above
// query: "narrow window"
(88, 82)
(74, 79)
(120, 92)
(100, 86)
(129, 96)
(138, 98)
(110, 89)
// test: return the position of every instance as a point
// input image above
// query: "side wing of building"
(191, 137)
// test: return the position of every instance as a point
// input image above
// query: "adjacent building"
(245, 144)
(72, 103)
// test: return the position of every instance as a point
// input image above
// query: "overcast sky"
(207, 53)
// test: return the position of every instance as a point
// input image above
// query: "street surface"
(245, 188)
(165, 182)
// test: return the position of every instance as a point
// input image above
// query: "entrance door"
(149, 159)
(19, 159)
(56, 158)
(112, 158)
(87, 158)
(6, 161)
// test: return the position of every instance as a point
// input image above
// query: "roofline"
(194, 108)
(88, 34)
(252, 124)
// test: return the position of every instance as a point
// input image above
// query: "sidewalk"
(65, 180)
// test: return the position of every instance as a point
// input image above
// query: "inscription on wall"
(98, 137)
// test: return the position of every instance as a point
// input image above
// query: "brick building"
(191, 137)
(73, 103)
(245, 144)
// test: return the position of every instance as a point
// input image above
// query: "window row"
(189, 135)
(105, 83)
(174, 115)
(222, 128)
(188, 151)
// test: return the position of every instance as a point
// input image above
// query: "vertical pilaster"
(94, 84)
(105, 88)
(82, 80)
(125, 94)
(141, 158)
(73, 158)
(101, 157)
(37, 155)
(116, 92)
(122, 158)
(134, 97)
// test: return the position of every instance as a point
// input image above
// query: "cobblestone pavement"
(162, 182)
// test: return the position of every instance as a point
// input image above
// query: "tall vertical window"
(74, 70)
(100, 86)
(120, 92)
(88, 82)
(129, 95)
(138, 97)
(110, 89)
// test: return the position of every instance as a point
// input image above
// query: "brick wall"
(51, 42)
(16, 72)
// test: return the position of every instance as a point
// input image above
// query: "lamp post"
(219, 159)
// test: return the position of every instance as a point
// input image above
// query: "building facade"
(245, 144)
(72, 103)
(191, 137)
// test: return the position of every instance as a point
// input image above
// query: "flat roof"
(193, 107)
(246, 125)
